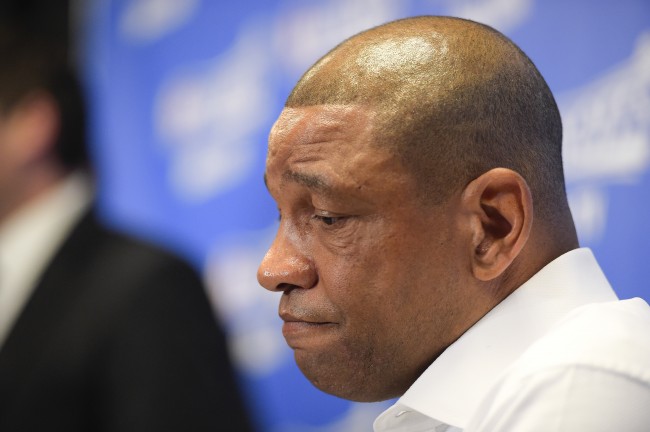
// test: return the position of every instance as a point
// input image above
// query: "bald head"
(454, 99)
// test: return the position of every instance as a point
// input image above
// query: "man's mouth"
(297, 328)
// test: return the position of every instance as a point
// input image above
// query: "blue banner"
(184, 93)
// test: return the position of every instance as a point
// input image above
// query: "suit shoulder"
(120, 267)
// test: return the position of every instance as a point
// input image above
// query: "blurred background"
(184, 92)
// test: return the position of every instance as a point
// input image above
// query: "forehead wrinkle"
(321, 131)
(329, 124)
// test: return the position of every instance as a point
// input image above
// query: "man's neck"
(29, 188)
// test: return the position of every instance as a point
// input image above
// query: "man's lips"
(291, 317)
(296, 326)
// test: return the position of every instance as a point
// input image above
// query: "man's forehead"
(320, 146)
(318, 122)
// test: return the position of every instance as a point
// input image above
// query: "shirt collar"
(29, 238)
(452, 387)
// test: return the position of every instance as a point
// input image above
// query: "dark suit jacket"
(118, 336)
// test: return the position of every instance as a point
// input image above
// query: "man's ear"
(32, 126)
(499, 206)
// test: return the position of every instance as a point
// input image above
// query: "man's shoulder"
(579, 376)
(601, 338)
(100, 262)
(608, 335)
(116, 248)
(110, 278)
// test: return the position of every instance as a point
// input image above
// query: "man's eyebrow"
(310, 181)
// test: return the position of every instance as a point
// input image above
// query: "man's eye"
(328, 220)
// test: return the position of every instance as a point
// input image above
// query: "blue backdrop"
(184, 93)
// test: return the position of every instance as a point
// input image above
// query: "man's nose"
(285, 266)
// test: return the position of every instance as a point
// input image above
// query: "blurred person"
(98, 331)
(426, 250)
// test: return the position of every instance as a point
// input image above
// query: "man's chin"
(308, 335)
(334, 372)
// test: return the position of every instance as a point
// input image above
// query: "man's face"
(367, 272)
(10, 160)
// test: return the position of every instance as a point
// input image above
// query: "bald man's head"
(453, 98)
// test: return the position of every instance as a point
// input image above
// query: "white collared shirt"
(28, 240)
(563, 334)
